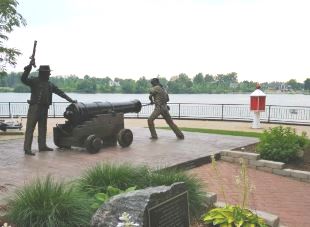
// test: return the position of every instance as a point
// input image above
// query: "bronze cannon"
(95, 125)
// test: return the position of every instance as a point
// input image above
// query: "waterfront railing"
(193, 111)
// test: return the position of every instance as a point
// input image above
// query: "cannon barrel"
(79, 112)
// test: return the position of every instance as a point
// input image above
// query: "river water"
(271, 99)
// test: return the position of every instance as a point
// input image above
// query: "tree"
(142, 85)
(128, 86)
(198, 79)
(247, 86)
(307, 84)
(9, 19)
(293, 83)
(199, 83)
(226, 80)
(209, 78)
(180, 84)
(87, 85)
(163, 81)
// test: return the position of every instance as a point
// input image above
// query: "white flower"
(237, 180)
(6, 225)
(125, 218)
(252, 188)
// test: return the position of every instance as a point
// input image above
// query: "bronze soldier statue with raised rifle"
(160, 97)
(41, 98)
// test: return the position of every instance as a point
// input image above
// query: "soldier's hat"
(155, 81)
(44, 68)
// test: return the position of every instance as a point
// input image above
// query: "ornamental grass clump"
(46, 203)
(196, 193)
(281, 144)
(98, 178)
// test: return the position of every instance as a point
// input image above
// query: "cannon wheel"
(93, 144)
(125, 137)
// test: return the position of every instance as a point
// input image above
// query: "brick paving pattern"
(16, 168)
(285, 197)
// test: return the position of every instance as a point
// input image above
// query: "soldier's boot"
(29, 152)
(180, 136)
(152, 130)
(176, 130)
(45, 148)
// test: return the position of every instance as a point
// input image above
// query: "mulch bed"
(302, 164)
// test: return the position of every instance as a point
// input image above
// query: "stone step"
(240, 154)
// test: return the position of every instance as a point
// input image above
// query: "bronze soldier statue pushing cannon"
(94, 125)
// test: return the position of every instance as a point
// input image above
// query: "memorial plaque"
(173, 212)
(160, 206)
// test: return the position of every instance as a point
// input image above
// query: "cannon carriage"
(95, 125)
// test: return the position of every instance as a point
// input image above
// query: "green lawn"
(217, 131)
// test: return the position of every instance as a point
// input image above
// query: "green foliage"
(142, 85)
(6, 89)
(87, 85)
(307, 84)
(128, 86)
(102, 197)
(294, 84)
(9, 19)
(233, 216)
(97, 180)
(193, 184)
(180, 84)
(45, 203)
(281, 144)
(21, 88)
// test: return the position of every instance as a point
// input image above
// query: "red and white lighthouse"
(257, 105)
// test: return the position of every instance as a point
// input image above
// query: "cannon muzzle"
(79, 112)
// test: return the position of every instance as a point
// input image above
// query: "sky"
(260, 40)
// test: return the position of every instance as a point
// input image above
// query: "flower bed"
(253, 160)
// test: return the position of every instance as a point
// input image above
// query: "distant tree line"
(201, 83)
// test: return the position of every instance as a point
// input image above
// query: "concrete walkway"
(16, 168)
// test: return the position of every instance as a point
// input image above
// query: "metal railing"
(195, 111)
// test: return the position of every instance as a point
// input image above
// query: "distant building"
(114, 83)
(285, 87)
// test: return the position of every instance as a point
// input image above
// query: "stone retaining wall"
(253, 161)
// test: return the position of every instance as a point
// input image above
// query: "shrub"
(45, 203)
(281, 144)
(101, 197)
(97, 180)
(233, 216)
